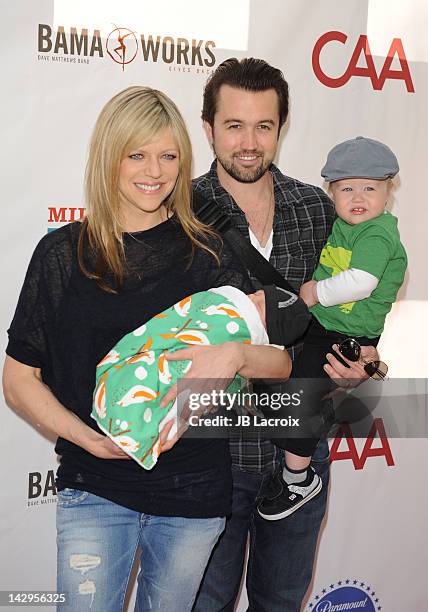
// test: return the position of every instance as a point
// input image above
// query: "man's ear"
(208, 131)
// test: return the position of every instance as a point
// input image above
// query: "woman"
(138, 251)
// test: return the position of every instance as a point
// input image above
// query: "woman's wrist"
(81, 434)
(236, 355)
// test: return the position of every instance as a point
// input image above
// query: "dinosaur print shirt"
(372, 246)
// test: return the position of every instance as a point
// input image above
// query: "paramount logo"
(327, 606)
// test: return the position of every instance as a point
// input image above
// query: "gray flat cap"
(360, 158)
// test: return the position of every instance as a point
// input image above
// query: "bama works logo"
(41, 488)
(345, 595)
(122, 46)
(362, 52)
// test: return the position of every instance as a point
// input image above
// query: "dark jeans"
(281, 553)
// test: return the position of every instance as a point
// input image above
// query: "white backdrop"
(373, 544)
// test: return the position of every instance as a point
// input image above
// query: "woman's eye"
(169, 156)
(136, 156)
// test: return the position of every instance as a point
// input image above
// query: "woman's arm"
(266, 362)
(224, 361)
(25, 392)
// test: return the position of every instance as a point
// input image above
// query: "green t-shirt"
(373, 246)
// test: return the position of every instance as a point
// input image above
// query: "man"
(244, 108)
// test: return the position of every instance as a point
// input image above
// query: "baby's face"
(359, 199)
(258, 299)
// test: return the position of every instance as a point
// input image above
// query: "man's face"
(245, 132)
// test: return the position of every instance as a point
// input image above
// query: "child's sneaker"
(283, 499)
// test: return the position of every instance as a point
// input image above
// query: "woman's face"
(147, 176)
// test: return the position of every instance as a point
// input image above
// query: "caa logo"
(362, 46)
(41, 488)
(382, 448)
(347, 595)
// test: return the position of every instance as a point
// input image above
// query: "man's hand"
(308, 293)
(355, 374)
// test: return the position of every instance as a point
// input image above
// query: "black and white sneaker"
(283, 499)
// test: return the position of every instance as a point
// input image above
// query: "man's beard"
(244, 175)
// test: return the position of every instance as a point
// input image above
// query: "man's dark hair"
(250, 74)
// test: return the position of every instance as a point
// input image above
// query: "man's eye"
(347, 189)
(265, 126)
(369, 188)
(234, 126)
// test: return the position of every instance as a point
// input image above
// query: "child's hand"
(308, 293)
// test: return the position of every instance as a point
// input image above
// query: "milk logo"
(346, 595)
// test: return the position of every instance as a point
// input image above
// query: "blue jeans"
(97, 542)
(281, 553)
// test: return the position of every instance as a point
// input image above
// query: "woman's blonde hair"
(131, 119)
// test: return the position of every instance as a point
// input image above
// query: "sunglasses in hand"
(351, 349)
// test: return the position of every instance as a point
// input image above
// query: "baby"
(134, 376)
(360, 271)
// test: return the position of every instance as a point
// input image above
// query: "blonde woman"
(138, 251)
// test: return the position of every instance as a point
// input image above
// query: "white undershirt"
(267, 249)
(350, 285)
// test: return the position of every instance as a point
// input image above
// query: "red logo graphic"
(122, 46)
(65, 215)
(345, 433)
(362, 46)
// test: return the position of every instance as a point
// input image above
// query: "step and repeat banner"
(355, 67)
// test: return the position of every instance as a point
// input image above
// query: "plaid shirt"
(302, 222)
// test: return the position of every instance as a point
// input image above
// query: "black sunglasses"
(351, 349)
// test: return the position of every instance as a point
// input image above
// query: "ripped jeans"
(97, 541)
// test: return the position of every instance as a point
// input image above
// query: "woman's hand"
(165, 444)
(102, 446)
(214, 366)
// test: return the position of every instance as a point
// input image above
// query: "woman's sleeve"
(232, 271)
(46, 278)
